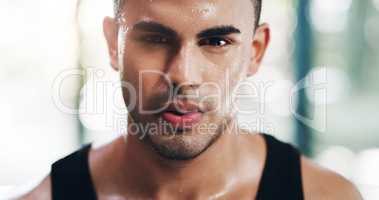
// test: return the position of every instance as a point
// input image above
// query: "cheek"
(231, 57)
(227, 75)
(217, 96)
(138, 84)
(143, 68)
(222, 79)
(142, 58)
(143, 93)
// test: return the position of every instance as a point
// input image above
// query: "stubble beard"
(186, 145)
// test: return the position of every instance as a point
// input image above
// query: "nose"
(184, 69)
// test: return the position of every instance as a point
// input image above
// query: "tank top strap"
(70, 177)
(281, 178)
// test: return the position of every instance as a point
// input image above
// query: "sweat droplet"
(204, 10)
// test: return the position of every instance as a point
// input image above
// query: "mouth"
(182, 116)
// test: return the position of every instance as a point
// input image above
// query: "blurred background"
(319, 91)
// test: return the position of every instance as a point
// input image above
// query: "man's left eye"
(215, 41)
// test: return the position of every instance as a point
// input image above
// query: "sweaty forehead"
(186, 15)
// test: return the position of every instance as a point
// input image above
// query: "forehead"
(190, 15)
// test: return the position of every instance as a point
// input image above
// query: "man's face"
(182, 61)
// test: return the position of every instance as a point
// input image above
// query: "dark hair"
(257, 5)
(258, 10)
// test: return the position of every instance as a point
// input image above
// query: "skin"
(215, 165)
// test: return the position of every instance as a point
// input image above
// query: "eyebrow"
(218, 31)
(149, 26)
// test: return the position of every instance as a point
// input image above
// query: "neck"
(214, 169)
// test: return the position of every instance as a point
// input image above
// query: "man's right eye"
(154, 39)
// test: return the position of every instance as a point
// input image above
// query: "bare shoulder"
(41, 192)
(322, 184)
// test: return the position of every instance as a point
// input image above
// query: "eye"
(214, 41)
(155, 39)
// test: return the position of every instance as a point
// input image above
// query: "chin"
(181, 146)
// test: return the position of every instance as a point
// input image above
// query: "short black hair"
(258, 9)
(117, 4)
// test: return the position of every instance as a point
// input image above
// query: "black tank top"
(281, 178)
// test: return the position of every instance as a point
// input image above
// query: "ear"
(259, 45)
(110, 32)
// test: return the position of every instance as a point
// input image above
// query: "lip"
(182, 115)
(181, 107)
